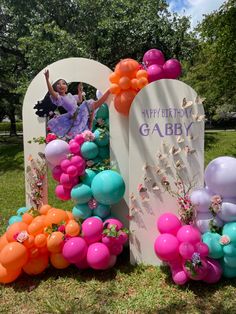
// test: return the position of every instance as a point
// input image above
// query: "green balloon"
(103, 112)
(215, 248)
(81, 193)
(229, 229)
(88, 177)
(89, 150)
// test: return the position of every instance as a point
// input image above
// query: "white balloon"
(98, 94)
(56, 151)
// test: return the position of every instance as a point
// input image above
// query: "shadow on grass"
(11, 154)
(211, 139)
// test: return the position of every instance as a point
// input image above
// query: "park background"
(36, 33)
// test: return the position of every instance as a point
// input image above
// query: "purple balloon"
(220, 176)
(227, 210)
(56, 151)
(201, 199)
(155, 72)
(98, 256)
(153, 56)
(75, 250)
(172, 69)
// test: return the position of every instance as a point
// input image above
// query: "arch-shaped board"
(166, 143)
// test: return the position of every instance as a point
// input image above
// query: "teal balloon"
(108, 187)
(81, 212)
(102, 112)
(101, 138)
(97, 217)
(88, 177)
(81, 193)
(229, 229)
(22, 210)
(107, 121)
(14, 219)
(89, 150)
(97, 160)
(229, 250)
(104, 152)
(230, 261)
(102, 211)
(228, 272)
(215, 248)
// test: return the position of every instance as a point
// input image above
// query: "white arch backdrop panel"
(166, 138)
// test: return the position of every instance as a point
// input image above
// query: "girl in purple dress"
(77, 118)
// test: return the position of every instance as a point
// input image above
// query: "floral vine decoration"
(36, 172)
(216, 201)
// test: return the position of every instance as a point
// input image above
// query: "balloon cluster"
(53, 235)
(158, 68)
(127, 79)
(181, 247)
(216, 203)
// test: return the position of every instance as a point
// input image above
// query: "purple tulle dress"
(75, 121)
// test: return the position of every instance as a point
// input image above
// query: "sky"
(195, 8)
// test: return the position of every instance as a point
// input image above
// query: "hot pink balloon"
(186, 250)
(72, 171)
(202, 249)
(179, 276)
(200, 272)
(167, 247)
(74, 147)
(153, 56)
(56, 173)
(66, 181)
(214, 271)
(116, 249)
(172, 69)
(98, 256)
(75, 250)
(79, 163)
(113, 221)
(83, 264)
(65, 163)
(79, 139)
(92, 229)
(189, 234)
(155, 72)
(168, 223)
(112, 261)
(62, 193)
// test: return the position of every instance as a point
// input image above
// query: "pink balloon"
(79, 163)
(79, 139)
(56, 173)
(83, 264)
(98, 256)
(56, 151)
(92, 229)
(155, 72)
(72, 171)
(186, 250)
(122, 238)
(214, 271)
(168, 223)
(113, 221)
(199, 272)
(62, 193)
(172, 69)
(189, 234)
(202, 249)
(74, 147)
(66, 181)
(75, 250)
(112, 261)
(108, 240)
(116, 248)
(179, 276)
(153, 56)
(167, 247)
(65, 164)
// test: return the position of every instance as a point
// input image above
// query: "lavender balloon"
(203, 221)
(201, 199)
(153, 56)
(172, 69)
(56, 151)
(227, 211)
(220, 176)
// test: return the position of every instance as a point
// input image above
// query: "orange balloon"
(43, 250)
(40, 219)
(8, 275)
(72, 228)
(70, 215)
(36, 265)
(40, 240)
(36, 227)
(44, 209)
(58, 261)
(27, 218)
(55, 216)
(123, 101)
(115, 89)
(114, 78)
(141, 73)
(14, 229)
(55, 242)
(33, 252)
(143, 81)
(3, 241)
(28, 243)
(134, 83)
(127, 67)
(13, 255)
(124, 83)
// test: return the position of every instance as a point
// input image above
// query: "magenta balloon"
(79, 163)
(168, 223)
(92, 229)
(75, 250)
(189, 234)
(155, 72)
(179, 276)
(200, 272)
(202, 249)
(72, 171)
(74, 147)
(98, 256)
(83, 264)
(167, 247)
(65, 163)
(56, 173)
(214, 271)
(112, 261)
(153, 56)
(56, 151)
(66, 181)
(186, 250)
(62, 193)
(116, 249)
(172, 69)
(113, 221)
(79, 139)
(220, 176)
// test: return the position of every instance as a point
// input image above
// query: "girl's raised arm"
(50, 88)
(101, 100)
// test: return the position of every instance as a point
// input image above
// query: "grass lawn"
(124, 289)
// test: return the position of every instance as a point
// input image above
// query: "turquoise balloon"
(14, 219)
(215, 248)
(102, 112)
(228, 272)
(22, 210)
(97, 160)
(88, 177)
(229, 229)
(81, 193)
(230, 261)
(81, 212)
(108, 187)
(89, 150)
(229, 250)
(102, 211)
(107, 121)
(97, 217)
(104, 152)
(101, 138)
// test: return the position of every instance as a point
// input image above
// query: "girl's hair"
(54, 85)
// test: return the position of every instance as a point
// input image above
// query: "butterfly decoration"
(178, 165)
(155, 187)
(174, 151)
(158, 170)
(186, 104)
(188, 150)
(199, 100)
(145, 167)
(142, 188)
(161, 156)
(180, 139)
(191, 137)
(198, 118)
(41, 155)
(147, 179)
(132, 197)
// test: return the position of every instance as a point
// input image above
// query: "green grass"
(123, 289)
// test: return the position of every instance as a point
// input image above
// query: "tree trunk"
(13, 121)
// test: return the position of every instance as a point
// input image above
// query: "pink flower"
(90, 163)
(50, 137)
(88, 136)
(216, 199)
(224, 240)
(22, 236)
(92, 203)
(61, 228)
(165, 182)
(100, 121)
